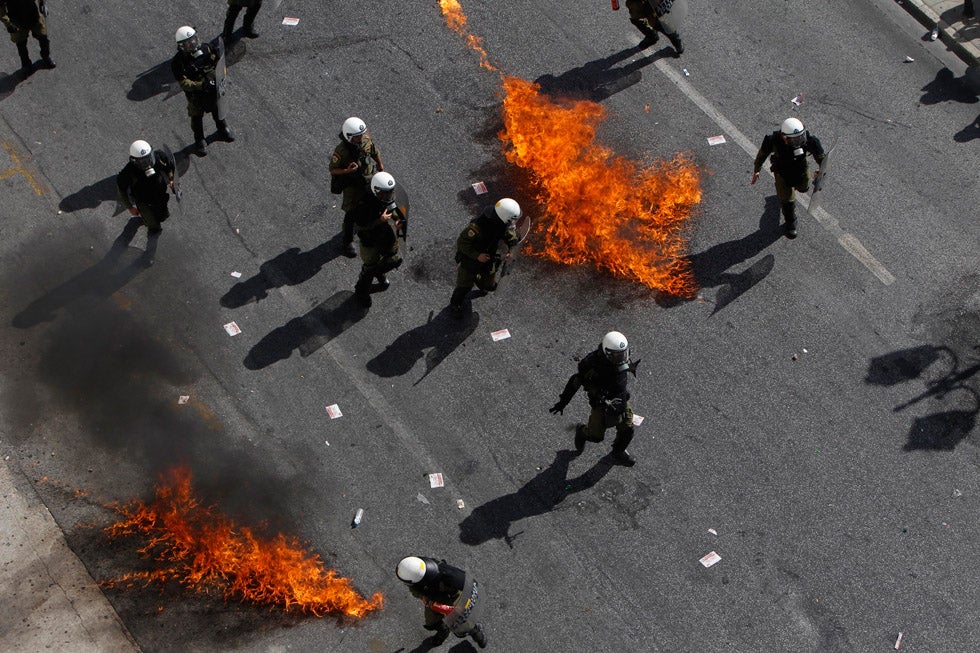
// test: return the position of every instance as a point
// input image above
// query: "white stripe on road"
(848, 241)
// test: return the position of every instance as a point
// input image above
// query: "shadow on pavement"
(440, 335)
(289, 268)
(600, 79)
(309, 332)
(541, 494)
(946, 87)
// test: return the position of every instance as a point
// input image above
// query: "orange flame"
(456, 19)
(605, 209)
(206, 551)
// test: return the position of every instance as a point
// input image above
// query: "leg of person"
(464, 281)
(224, 133)
(26, 65)
(391, 260)
(150, 216)
(370, 258)
(675, 40)
(250, 15)
(968, 11)
(624, 435)
(787, 200)
(347, 235)
(40, 31)
(197, 126)
(595, 430)
(434, 621)
(479, 636)
(639, 13)
(230, 17)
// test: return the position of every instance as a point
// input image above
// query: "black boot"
(675, 40)
(619, 452)
(383, 281)
(789, 213)
(200, 145)
(250, 31)
(441, 635)
(230, 17)
(362, 290)
(224, 133)
(650, 35)
(46, 52)
(26, 65)
(479, 637)
(580, 438)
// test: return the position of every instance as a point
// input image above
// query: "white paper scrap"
(479, 188)
(237, 275)
(497, 336)
(334, 411)
(421, 499)
(637, 419)
(909, 59)
(460, 504)
(712, 531)
(798, 100)
(710, 559)
(288, 20)
(435, 480)
(898, 642)
(716, 140)
(183, 399)
(232, 329)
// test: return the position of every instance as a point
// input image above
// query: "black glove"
(558, 407)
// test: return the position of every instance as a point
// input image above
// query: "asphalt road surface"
(815, 407)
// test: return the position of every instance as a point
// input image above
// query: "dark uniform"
(196, 76)
(792, 171)
(23, 18)
(234, 8)
(378, 235)
(445, 586)
(651, 16)
(605, 384)
(354, 183)
(148, 195)
(482, 236)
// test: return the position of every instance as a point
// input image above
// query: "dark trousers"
(197, 125)
(232, 16)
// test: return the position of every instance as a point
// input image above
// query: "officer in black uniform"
(603, 372)
(379, 222)
(452, 598)
(23, 18)
(788, 147)
(194, 67)
(143, 185)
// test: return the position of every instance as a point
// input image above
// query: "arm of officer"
(761, 156)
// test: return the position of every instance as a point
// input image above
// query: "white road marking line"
(848, 241)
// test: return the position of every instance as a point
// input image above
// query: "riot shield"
(820, 178)
(220, 77)
(523, 228)
(466, 613)
(172, 162)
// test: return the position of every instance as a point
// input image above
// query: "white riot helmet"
(616, 349)
(187, 40)
(352, 127)
(141, 154)
(411, 569)
(507, 210)
(383, 187)
(795, 134)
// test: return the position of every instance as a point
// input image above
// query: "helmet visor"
(617, 356)
(796, 140)
(144, 163)
(386, 196)
(190, 45)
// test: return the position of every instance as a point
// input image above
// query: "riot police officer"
(23, 18)
(354, 162)
(379, 222)
(143, 185)
(194, 67)
(788, 146)
(453, 599)
(235, 7)
(477, 258)
(603, 373)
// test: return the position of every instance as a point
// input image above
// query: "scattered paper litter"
(435, 480)
(288, 20)
(712, 531)
(637, 419)
(710, 559)
(933, 35)
(183, 399)
(326, 442)
(421, 499)
(479, 188)
(898, 642)
(646, 108)
(232, 329)
(460, 504)
(334, 411)
(686, 74)
(497, 336)
(909, 59)
(237, 275)
(798, 100)
(716, 140)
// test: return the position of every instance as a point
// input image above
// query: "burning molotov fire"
(205, 551)
(602, 208)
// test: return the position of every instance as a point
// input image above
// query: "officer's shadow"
(541, 494)
(599, 79)
(159, 79)
(711, 267)
(117, 268)
(946, 87)
(8, 82)
(440, 335)
(290, 268)
(309, 332)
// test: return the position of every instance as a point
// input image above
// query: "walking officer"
(23, 18)
(354, 162)
(379, 222)
(477, 258)
(143, 185)
(788, 147)
(452, 598)
(235, 7)
(651, 16)
(195, 68)
(603, 373)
